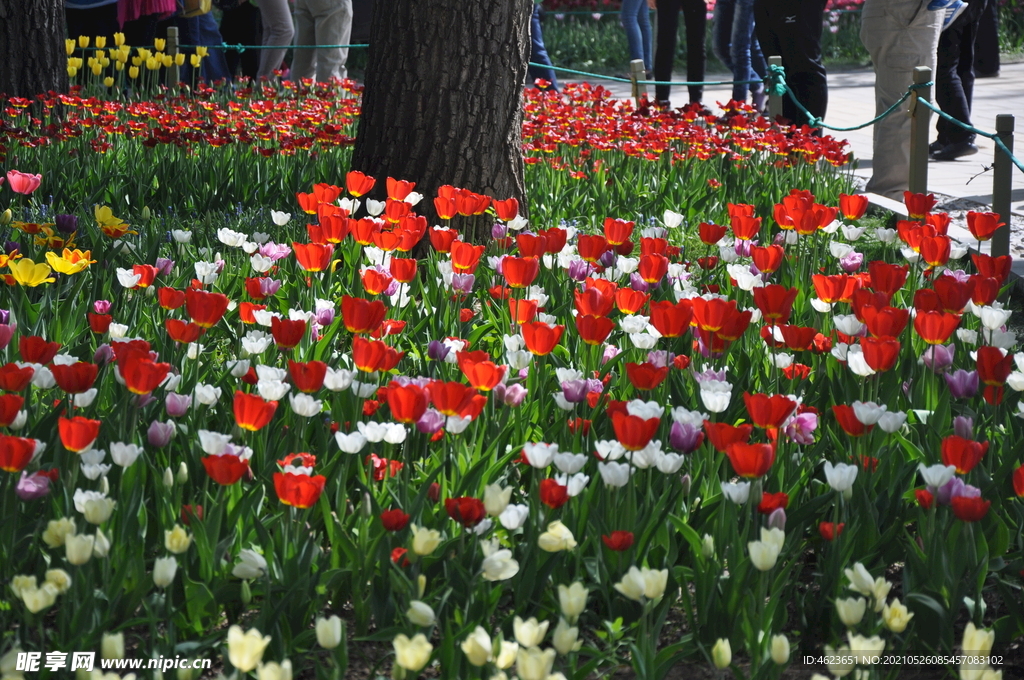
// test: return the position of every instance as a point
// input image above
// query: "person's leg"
(304, 61)
(629, 19)
(967, 51)
(899, 35)
(333, 27)
(215, 65)
(721, 32)
(800, 42)
(665, 53)
(277, 31)
(695, 13)
(539, 54)
(252, 32)
(742, 34)
(643, 19)
(986, 48)
(949, 90)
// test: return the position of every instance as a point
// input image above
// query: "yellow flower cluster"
(122, 56)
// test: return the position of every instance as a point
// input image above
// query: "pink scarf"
(130, 10)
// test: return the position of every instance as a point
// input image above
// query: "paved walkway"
(851, 102)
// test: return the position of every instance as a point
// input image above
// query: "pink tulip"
(22, 182)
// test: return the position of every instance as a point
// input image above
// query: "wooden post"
(919, 129)
(1002, 179)
(774, 100)
(171, 47)
(637, 72)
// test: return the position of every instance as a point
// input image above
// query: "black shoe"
(956, 150)
(935, 147)
(986, 74)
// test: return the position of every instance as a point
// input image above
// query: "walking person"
(635, 17)
(791, 29)
(695, 14)
(736, 46)
(954, 84)
(899, 35)
(539, 54)
(321, 22)
(278, 32)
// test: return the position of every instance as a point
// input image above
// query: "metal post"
(171, 47)
(774, 100)
(920, 118)
(637, 72)
(1002, 179)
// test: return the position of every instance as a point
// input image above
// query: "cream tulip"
(896, 616)
(572, 600)
(38, 599)
(851, 610)
(721, 653)
(164, 569)
(529, 633)
(507, 653)
(60, 579)
(566, 638)
(556, 538)
(424, 541)
(328, 632)
(534, 664)
(420, 614)
(412, 654)
(275, 671)
(177, 540)
(780, 649)
(57, 530)
(245, 650)
(112, 646)
(78, 549)
(477, 647)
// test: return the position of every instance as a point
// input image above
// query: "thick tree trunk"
(443, 98)
(32, 56)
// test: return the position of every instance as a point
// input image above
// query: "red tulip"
(141, 373)
(745, 227)
(362, 316)
(375, 282)
(23, 182)
(466, 510)
(671, 320)
(630, 301)
(853, 207)
(307, 377)
(935, 250)
(994, 267)
(465, 257)
(10, 405)
(394, 519)
(925, 498)
(616, 231)
(252, 412)
(880, 353)
(751, 460)
(522, 311)
(767, 259)
(723, 435)
(78, 434)
(770, 502)
(14, 378)
(520, 272)
(16, 452)
(652, 268)
(634, 432)
(553, 494)
(798, 338)
(35, 350)
(225, 469)
(969, 509)
(887, 278)
(313, 257)
(298, 490)
(768, 411)
(645, 376)
(75, 378)
(935, 327)
(408, 402)
(205, 309)
(888, 321)
(403, 270)
(506, 210)
(358, 184)
(1018, 481)
(482, 373)
(983, 225)
(775, 302)
(993, 367)
(829, 530)
(962, 453)
(848, 421)
(918, 205)
(451, 398)
(442, 240)
(591, 246)
(99, 323)
(618, 541)
(594, 330)
(170, 298)
(179, 331)
(540, 338)
(710, 234)
(594, 301)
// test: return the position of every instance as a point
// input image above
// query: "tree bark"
(32, 56)
(443, 99)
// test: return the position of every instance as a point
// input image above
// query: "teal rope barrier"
(616, 79)
(243, 48)
(970, 128)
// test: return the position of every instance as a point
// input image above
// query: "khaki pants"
(321, 22)
(899, 35)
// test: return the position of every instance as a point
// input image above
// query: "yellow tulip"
(167, 60)
(179, 58)
(159, 44)
(31, 274)
(97, 69)
(119, 39)
(101, 41)
(83, 41)
(71, 261)
(69, 46)
(152, 63)
(118, 65)
(202, 51)
(195, 60)
(72, 71)
(133, 72)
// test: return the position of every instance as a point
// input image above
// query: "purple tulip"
(499, 392)
(499, 230)
(851, 262)
(801, 428)
(31, 487)
(742, 247)
(610, 352)
(777, 520)
(594, 385)
(176, 404)
(515, 394)
(686, 482)
(66, 224)
(608, 258)
(144, 400)
(962, 384)
(939, 357)
(103, 355)
(437, 350)
(685, 437)
(574, 391)
(709, 374)
(430, 422)
(159, 434)
(392, 288)
(463, 282)
(6, 333)
(325, 317)
(269, 286)
(165, 266)
(101, 306)
(579, 270)
(11, 246)
(5, 316)
(953, 488)
(637, 283)
(660, 358)
(963, 426)
(960, 275)
(275, 251)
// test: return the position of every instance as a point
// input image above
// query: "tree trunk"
(443, 99)
(32, 56)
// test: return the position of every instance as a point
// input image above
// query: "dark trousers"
(986, 47)
(97, 21)
(242, 26)
(791, 29)
(539, 54)
(695, 14)
(954, 74)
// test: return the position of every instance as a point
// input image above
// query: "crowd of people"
(898, 34)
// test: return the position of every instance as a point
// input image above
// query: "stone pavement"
(852, 102)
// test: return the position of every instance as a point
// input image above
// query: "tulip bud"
(780, 649)
(707, 548)
(721, 653)
(164, 570)
(182, 475)
(367, 505)
(112, 646)
(421, 584)
(246, 593)
(685, 483)
(6, 217)
(168, 477)
(420, 614)
(146, 213)
(851, 610)
(104, 489)
(101, 544)
(777, 520)
(329, 632)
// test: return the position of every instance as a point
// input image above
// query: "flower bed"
(525, 456)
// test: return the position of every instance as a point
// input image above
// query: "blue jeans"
(636, 19)
(538, 54)
(735, 45)
(203, 30)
